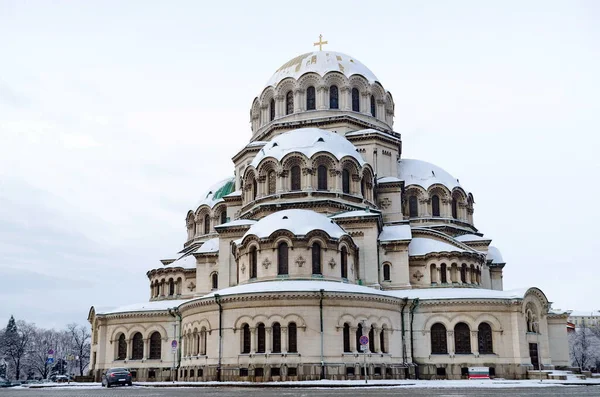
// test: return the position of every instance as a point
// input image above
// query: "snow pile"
(210, 246)
(395, 233)
(423, 246)
(186, 262)
(424, 174)
(299, 222)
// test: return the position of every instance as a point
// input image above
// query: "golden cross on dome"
(321, 42)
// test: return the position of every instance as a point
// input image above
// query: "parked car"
(61, 379)
(116, 376)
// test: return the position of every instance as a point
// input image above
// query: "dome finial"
(320, 42)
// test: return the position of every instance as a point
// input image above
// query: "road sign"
(50, 352)
(174, 346)
(364, 348)
(50, 360)
(364, 340)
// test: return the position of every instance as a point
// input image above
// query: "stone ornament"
(243, 268)
(332, 263)
(266, 263)
(300, 261)
(418, 275)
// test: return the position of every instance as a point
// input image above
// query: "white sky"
(115, 116)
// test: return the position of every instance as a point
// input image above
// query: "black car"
(116, 376)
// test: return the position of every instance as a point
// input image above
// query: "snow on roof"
(186, 262)
(352, 214)
(308, 141)
(371, 131)
(217, 191)
(471, 237)
(395, 233)
(234, 194)
(321, 62)
(387, 179)
(209, 246)
(583, 313)
(459, 293)
(257, 143)
(424, 174)
(144, 307)
(237, 222)
(422, 246)
(299, 222)
(494, 254)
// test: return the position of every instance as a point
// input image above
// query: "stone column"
(299, 100)
(268, 340)
(284, 340)
(321, 95)
(365, 106)
(475, 343)
(450, 338)
(129, 348)
(377, 346)
(146, 353)
(353, 347)
(336, 174)
(279, 101)
(253, 340)
(346, 99)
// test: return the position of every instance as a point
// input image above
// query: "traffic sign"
(174, 346)
(50, 352)
(364, 348)
(364, 340)
(50, 360)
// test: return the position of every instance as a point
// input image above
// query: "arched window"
(333, 97)
(246, 339)
(462, 339)
(355, 100)
(344, 262)
(289, 102)
(316, 259)
(359, 332)
(137, 351)
(253, 263)
(310, 98)
(271, 182)
(433, 273)
(276, 329)
(413, 207)
(443, 276)
(439, 343)
(223, 216)
(435, 205)
(155, 346)
(122, 348)
(254, 189)
(171, 287)
(215, 280)
(346, 181)
(295, 178)
(191, 373)
(203, 341)
(454, 208)
(486, 345)
(322, 177)
(382, 345)
(463, 273)
(386, 272)
(292, 338)
(372, 339)
(373, 110)
(272, 110)
(206, 224)
(347, 338)
(260, 346)
(282, 258)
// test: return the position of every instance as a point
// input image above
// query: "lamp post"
(536, 325)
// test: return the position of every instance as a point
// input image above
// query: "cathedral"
(328, 255)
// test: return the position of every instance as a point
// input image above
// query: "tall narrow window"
(215, 281)
(271, 182)
(373, 110)
(463, 273)
(359, 332)
(254, 189)
(246, 339)
(260, 346)
(355, 100)
(433, 273)
(276, 330)
(413, 207)
(486, 345)
(272, 110)
(462, 339)
(347, 338)
(253, 262)
(344, 262)
(372, 339)
(435, 205)
(443, 276)
(310, 98)
(223, 216)
(295, 178)
(454, 208)
(382, 345)
(282, 259)
(322, 177)
(137, 351)
(122, 349)
(289, 102)
(386, 272)
(333, 97)
(316, 259)
(439, 342)
(171, 287)
(206, 224)
(346, 181)
(292, 338)
(155, 346)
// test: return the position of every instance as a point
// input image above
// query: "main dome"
(321, 62)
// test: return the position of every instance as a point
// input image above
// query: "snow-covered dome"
(308, 141)
(321, 62)
(299, 222)
(424, 174)
(495, 255)
(216, 192)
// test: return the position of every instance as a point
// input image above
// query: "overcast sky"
(116, 115)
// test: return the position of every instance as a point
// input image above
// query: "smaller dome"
(495, 255)
(424, 174)
(308, 141)
(217, 191)
(321, 62)
(298, 222)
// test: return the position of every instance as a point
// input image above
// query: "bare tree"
(80, 336)
(584, 347)
(42, 342)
